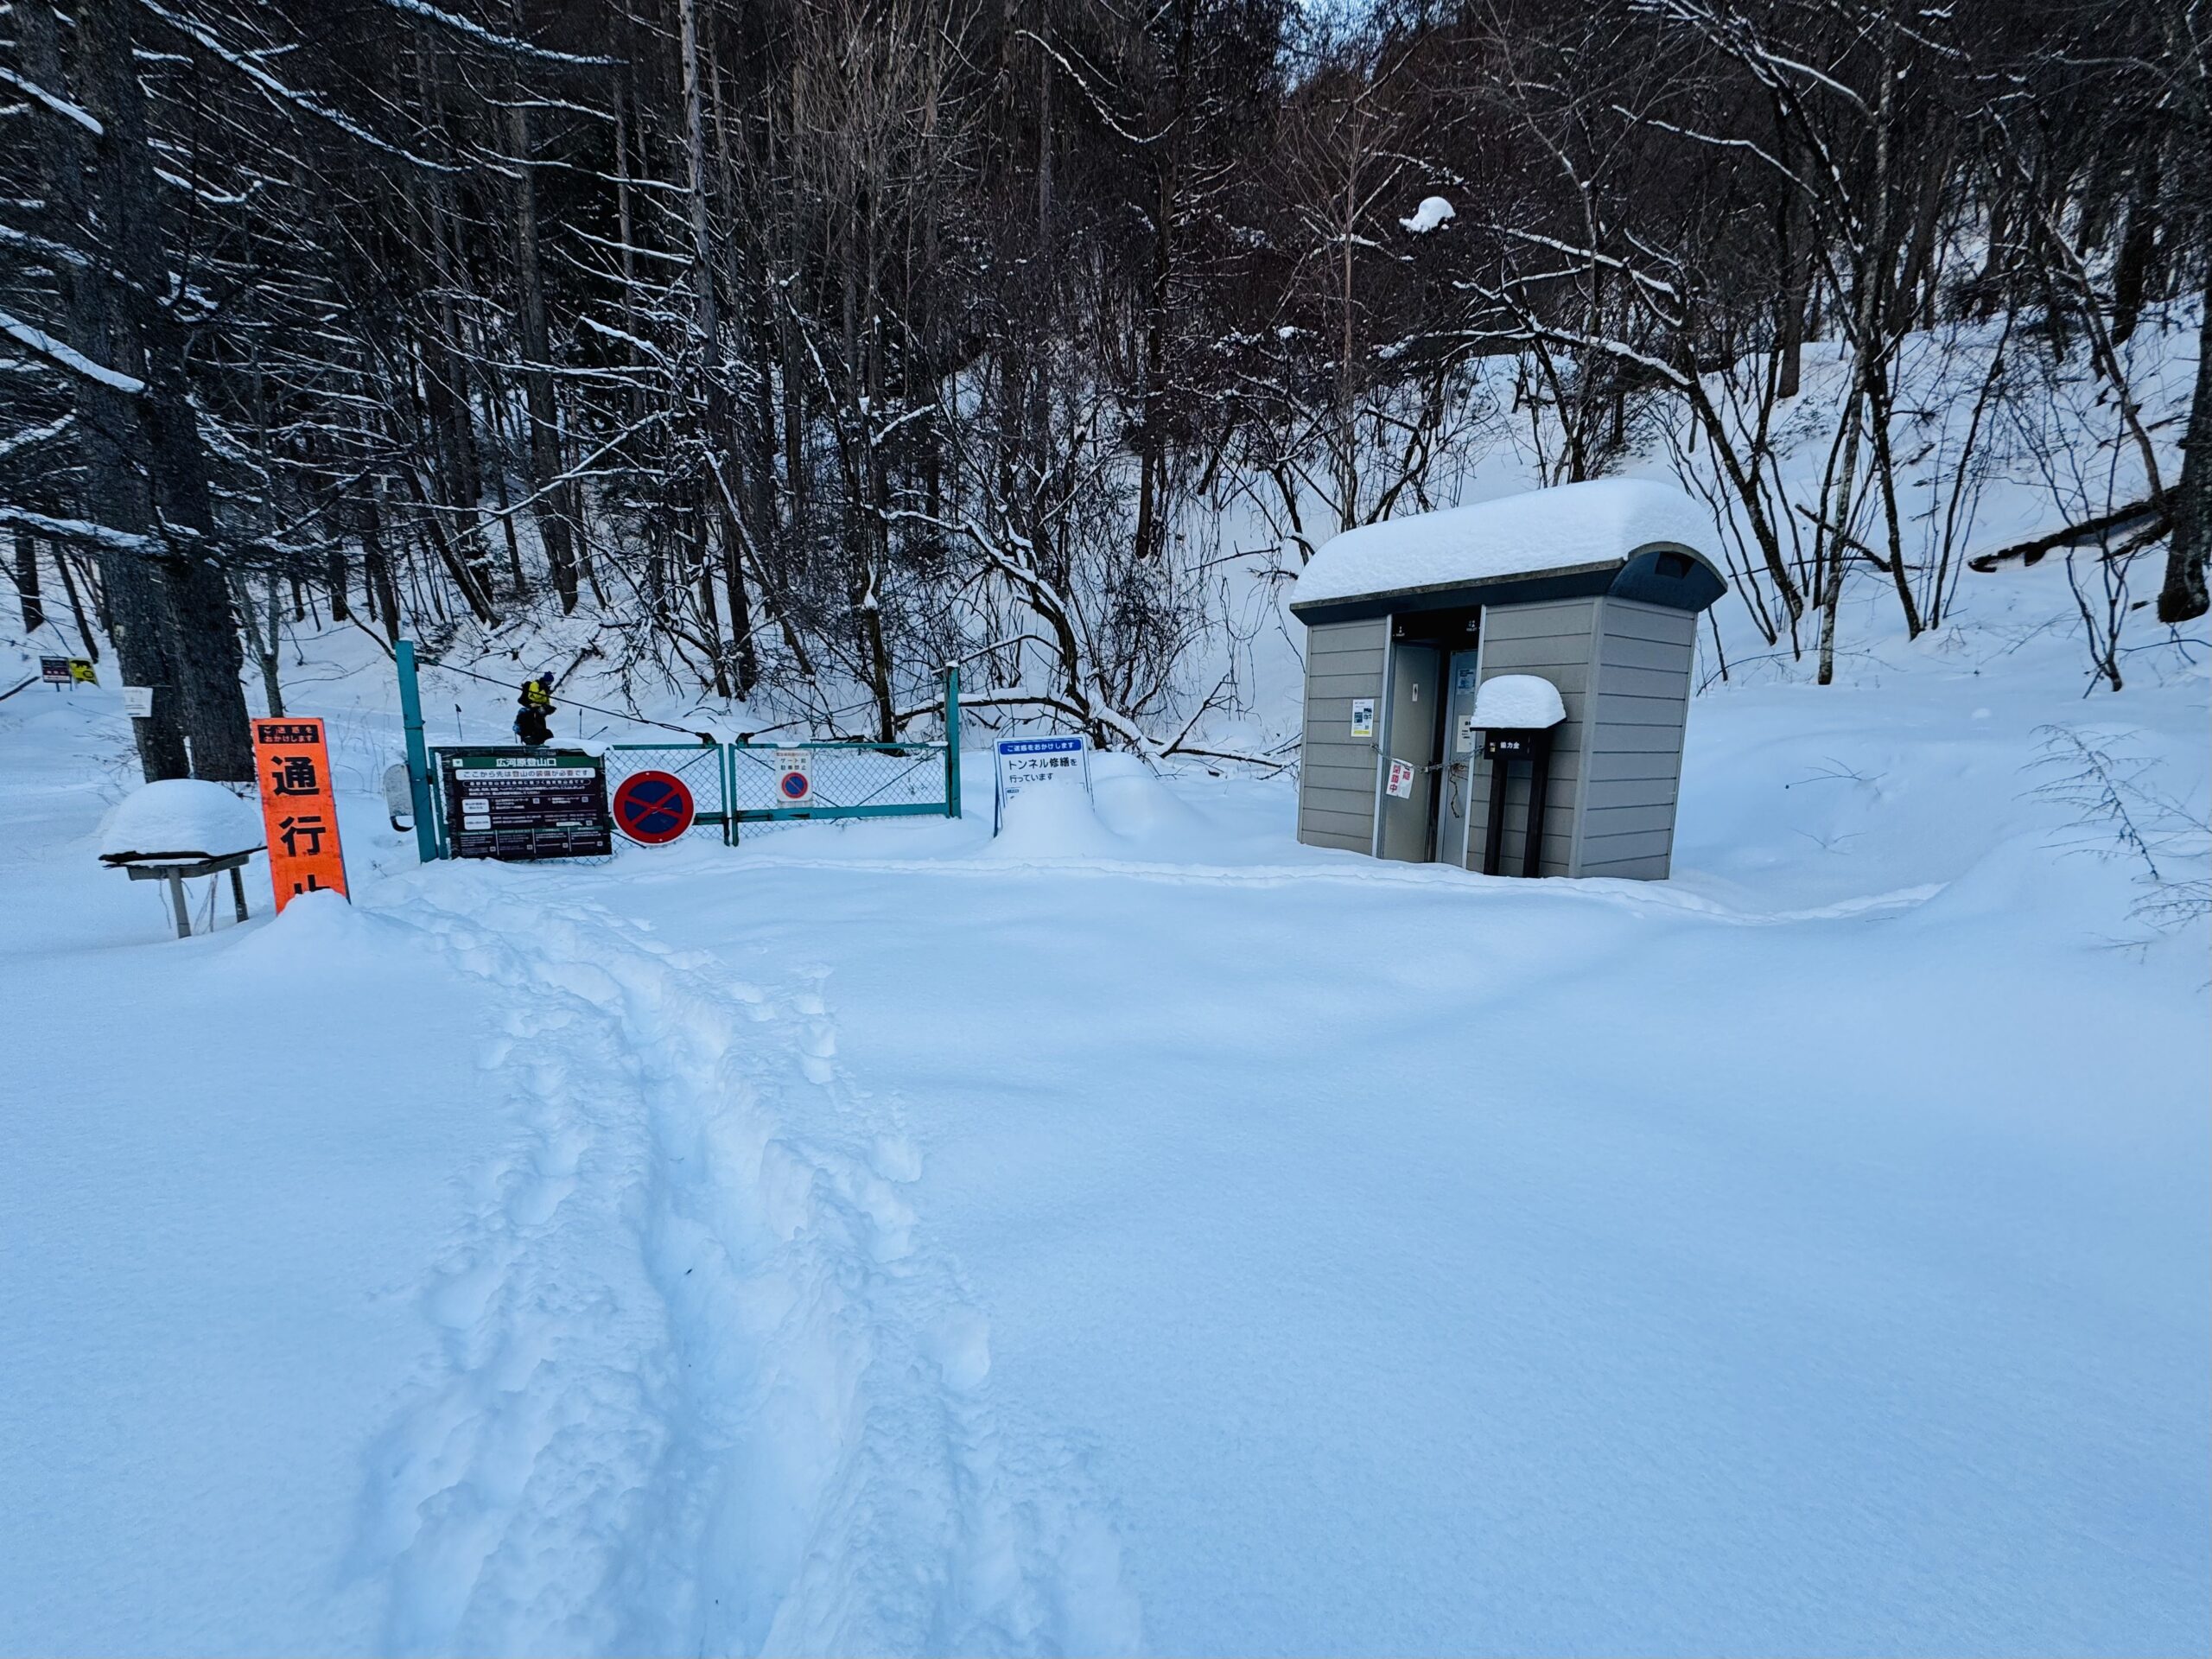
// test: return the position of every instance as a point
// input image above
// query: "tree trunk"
(537, 371)
(27, 584)
(92, 645)
(2181, 598)
(156, 479)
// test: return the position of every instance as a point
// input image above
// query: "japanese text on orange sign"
(298, 813)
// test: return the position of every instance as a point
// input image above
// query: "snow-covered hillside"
(1140, 1235)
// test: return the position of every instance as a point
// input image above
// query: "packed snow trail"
(710, 1390)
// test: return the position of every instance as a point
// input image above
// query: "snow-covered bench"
(182, 827)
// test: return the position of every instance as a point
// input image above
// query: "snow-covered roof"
(1601, 523)
(1517, 702)
(180, 818)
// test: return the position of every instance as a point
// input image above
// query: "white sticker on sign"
(1401, 780)
(1362, 716)
(794, 783)
(1463, 741)
(138, 701)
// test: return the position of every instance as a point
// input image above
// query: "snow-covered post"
(418, 755)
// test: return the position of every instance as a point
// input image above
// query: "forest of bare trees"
(795, 348)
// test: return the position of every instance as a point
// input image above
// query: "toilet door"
(1462, 745)
(1409, 749)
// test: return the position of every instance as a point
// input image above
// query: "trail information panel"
(525, 804)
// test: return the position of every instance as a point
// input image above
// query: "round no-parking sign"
(794, 783)
(652, 807)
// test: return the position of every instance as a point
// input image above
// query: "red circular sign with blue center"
(652, 807)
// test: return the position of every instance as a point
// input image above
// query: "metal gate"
(846, 780)
(738, 783)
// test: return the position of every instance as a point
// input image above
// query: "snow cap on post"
(1517, 702)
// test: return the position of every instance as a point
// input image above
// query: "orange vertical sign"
(299, 815)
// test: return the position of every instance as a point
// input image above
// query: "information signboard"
(523, 804)
(1027, 763)
(299, 813)
(68, 670)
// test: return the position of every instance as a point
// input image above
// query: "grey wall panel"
(1636, 739)
(1631, 791)
(1353, 802)
(1336, 774)
(1626, 619)
(1630, 869)
(1645, 658)
(1340, 687)
(1606, 849)
(1359, 844)
(1554, 639)
(1599, 821)
(1625, 651)
(1628, 679)
(1620, 709)
(1628, 765)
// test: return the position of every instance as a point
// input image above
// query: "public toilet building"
(1592, 587)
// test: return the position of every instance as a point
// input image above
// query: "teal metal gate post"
(952, 742)
(419, 789)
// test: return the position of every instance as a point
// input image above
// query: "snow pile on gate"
(1597, 522)
(178, 818)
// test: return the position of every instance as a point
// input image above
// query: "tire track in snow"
(708, 1388)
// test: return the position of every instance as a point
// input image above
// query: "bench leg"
(176, 902)
(238, 893)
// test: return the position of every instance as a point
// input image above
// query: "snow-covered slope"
(1146, 1233)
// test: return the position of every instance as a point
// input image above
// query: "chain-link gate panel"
(845, 781)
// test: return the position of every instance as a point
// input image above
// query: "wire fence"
(840, 779)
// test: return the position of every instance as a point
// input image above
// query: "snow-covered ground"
(1140, 1235)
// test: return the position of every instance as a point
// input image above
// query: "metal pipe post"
(418, 755)
(952, 742)
(1539, 771)
(1494, 832)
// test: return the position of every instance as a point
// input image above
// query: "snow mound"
(1518, 702)
(1432, 214)
(1054, 823)
(1133, 802)
(1602, 521)
(179, 817)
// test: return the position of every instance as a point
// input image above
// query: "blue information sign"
(1025, 763)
